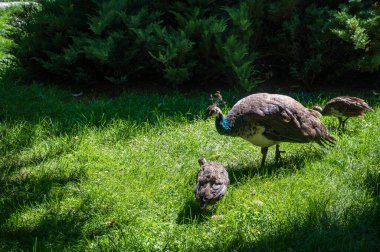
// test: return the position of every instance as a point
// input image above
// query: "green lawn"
(102, 174)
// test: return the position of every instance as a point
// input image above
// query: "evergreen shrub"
(196, 42)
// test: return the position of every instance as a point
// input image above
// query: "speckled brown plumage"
(344, 107)
(284, 119)
(212, 182)
(269, 119)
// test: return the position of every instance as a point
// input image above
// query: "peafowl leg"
(264, 151)
(278, 153)
(344, 123)
(340, 123)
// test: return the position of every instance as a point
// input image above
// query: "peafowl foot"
(278, 153)
(264, 152)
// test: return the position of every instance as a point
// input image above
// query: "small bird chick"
(343, 108)
(212, 182)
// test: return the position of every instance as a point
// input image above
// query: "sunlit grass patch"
(118, 174)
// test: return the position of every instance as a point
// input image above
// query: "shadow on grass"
(319, 229)
(12, 162)
(29, 113)
(68, 114)
(53, 233)
(55, 227)
(35, 102)
(192, 213)
(319, 233)
(288, 162)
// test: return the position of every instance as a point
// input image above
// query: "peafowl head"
(213, 110)
(202, 161)
(317, 108)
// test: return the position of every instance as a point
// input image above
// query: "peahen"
(344, 107)
(212, 182)
(269, 119)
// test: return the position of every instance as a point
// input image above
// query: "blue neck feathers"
(223, 126)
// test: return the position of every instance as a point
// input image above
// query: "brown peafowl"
(212, 182)
(269, 119)
(344, 107)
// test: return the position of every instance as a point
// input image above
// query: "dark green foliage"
(319, 42)
(202, 42)
(356, 27)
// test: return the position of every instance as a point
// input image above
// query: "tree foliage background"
(196, 42)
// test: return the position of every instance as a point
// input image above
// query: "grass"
(117, 174)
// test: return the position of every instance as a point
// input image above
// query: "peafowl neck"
(222, 125)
